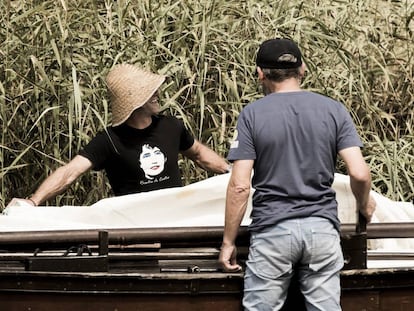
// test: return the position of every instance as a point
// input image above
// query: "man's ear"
(260, 73)
(302, 70)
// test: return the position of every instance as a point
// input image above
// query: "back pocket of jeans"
(326, 250)
(270, 253)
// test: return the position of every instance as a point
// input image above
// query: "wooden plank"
(376, 290)
(360, 301)
(65, 302)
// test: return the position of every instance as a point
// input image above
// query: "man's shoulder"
(103, 136)
(322, 97)
(108, 130)
(167, 119)
(164, 117)
(285, 100)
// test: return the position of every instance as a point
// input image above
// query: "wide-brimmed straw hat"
(130, 87)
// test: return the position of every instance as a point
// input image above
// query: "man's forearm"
(61, 179)
(53, 185)
(208, 159)
(211, 161)
(238, 192)
(361, 189)
(236, 205)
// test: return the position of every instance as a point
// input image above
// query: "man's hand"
(368, 210)
(21, 202)
(227, 258)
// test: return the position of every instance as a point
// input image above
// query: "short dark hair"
(279, 75)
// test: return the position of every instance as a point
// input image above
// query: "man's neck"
(289, 85)
(139, 120)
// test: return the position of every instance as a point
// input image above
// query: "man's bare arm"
(206, 158)
(238, 191)
(58, 181)
(360, 179)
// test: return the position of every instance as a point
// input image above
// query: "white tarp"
(198, 204)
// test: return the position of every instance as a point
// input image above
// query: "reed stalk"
(54, 57)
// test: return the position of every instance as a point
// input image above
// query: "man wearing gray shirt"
(290, 138)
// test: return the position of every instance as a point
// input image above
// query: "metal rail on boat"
(171, 235)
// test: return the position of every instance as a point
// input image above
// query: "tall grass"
(54, 56)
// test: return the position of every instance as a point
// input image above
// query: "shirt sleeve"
(98, 150)
(242, 147)
(186, 139)
(347, 135)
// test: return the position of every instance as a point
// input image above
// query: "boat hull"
(364, 289)
(171, 269)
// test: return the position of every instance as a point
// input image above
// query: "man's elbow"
(239, 188)
(361, 175)
(194, 152)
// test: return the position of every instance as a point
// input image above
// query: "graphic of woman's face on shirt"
(152, 161)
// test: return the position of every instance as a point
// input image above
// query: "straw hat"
(130, 87)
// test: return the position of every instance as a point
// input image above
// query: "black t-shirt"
(140, 160)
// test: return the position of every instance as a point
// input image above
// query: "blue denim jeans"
(312, 246)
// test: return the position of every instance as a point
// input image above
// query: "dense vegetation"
(55, 54)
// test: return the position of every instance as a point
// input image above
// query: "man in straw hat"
(291, 138)
(139, 152)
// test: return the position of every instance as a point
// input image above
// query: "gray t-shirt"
(294, 139)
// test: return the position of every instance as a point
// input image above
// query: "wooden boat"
(174, 269)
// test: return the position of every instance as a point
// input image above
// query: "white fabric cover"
(198, 204)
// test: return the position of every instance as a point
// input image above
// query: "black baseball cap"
(279, 54)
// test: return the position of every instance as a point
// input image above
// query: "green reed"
(55, 55)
